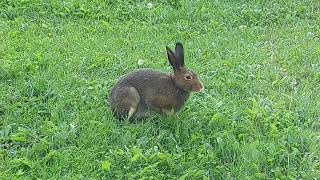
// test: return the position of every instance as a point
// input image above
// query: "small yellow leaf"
(106, 165)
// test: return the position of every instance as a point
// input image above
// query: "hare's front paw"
(170, 113)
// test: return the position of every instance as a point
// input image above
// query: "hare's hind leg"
(132, 101)
(132, 110)
(126, 100)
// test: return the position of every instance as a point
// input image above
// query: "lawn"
(258, 118)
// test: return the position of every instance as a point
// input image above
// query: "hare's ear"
(180, 54)
(172, 59)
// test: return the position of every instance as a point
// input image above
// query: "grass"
(258, 118)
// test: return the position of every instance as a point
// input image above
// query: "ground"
(258, 117)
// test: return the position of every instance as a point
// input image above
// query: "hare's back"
(144, 79)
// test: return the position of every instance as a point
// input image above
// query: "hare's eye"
(187, 77)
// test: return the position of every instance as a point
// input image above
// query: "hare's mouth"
(199, 87)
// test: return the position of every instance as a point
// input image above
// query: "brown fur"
(147, 90)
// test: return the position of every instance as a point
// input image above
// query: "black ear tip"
(179, 44)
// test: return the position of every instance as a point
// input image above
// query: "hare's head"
(184, 78)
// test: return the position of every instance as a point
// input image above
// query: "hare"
(148, 90)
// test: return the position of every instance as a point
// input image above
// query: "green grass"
(258, 118)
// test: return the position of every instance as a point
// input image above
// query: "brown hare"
(148, 90)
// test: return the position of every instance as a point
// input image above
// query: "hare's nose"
(202, 88)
